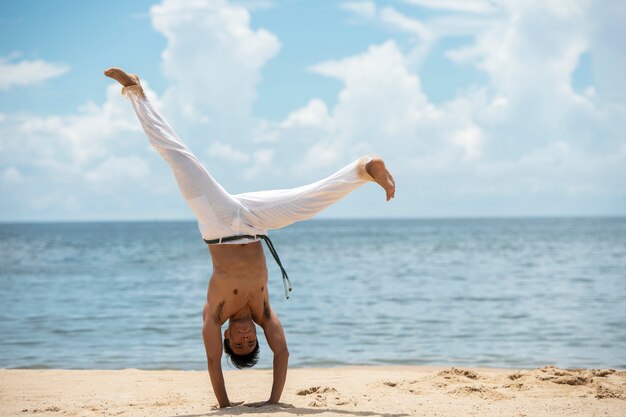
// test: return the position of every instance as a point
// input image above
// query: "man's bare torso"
(239, 282)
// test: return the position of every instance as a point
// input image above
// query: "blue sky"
(479, 107)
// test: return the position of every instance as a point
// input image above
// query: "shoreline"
(391, 391)
(228, 367)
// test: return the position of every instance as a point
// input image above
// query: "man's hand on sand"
(264, 403)
(231, 404)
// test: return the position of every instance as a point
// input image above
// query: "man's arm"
(211, 334)
(276, 340)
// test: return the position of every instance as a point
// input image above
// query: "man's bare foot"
(122, 77)
(376, 168)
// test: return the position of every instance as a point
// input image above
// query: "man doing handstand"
(233, 227)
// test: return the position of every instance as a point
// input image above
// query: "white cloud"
(608, 60)
(389, 17)
(424, 36)
(470, 139)
(397, 20)
(262, 164)
(363, 9)
(524, 132)
(426, 33)
(27, 72)
(92, 133)
(382, 99)
(517, 54)
(530, 78)
(313, 115)
(12, 175)
(253, 5)
(226, 151)
(93, 160)
(119, 169)
(471, 6)
(381, 109)
(213, 59)
(319, 156)
(56, 200)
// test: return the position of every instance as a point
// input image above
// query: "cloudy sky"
(479, 107)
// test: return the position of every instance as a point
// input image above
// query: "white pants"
(221, 214)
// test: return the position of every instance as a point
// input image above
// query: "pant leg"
(215, 209)
(279, 208)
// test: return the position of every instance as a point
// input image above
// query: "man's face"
(241, 335)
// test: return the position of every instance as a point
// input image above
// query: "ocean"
(466, 292)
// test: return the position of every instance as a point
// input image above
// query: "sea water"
(471, 292)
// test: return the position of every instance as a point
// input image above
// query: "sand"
(350, 391)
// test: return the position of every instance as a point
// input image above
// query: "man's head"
(241, 344)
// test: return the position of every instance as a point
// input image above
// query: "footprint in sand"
(457, 372)
(316, 390)
(322, 395)
(449, 377)
(402, 385)
(562, 376)
(603, 391)
(318, 402)
(515, 376)
(605, 382)
(572, 376)
(170, 400)
(482, 392)
(53, 409)
(320, 399)
(517, 386)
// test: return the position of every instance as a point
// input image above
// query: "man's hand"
(213, 346)
(276, 340)
(259, 404)
(232, 404)
(268, 402)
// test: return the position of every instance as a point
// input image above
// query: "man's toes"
(390, 177)
(390, 188)
(391, 192)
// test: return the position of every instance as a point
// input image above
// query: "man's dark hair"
(242, 361)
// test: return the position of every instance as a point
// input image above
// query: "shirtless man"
(232, 226)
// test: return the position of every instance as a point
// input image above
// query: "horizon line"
(461, 217)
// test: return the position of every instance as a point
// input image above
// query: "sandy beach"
(349, 391)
